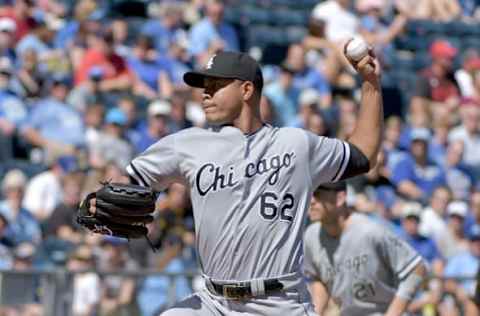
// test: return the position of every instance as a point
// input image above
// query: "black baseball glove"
(122, 210)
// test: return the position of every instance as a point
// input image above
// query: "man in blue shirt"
(22, 226)
(166, 29)
(465, 265)
(157, 125)
(38, 40)
(54, 125)
(307, 77)
(415, 176)
(212, 32)
(283, 95)
(409, 232)
(152, 77)
(12, 110)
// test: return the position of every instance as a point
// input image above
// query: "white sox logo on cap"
(210, 62)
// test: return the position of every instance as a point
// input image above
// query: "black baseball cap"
(228, 65)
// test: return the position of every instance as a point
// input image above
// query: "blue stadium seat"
(421, 60)
(30, 169)
(252, 15)
(262, 35)
(423, 27)
(289, 17)
(413, 43)
(470, 42)
(233, 15)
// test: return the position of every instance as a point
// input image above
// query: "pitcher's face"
(222, 100)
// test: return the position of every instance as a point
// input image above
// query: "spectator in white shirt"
(341, 24)
(44, 191)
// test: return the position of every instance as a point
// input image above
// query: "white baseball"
(357, 48)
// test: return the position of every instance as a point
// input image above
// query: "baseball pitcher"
(362, 266)
(251, 186)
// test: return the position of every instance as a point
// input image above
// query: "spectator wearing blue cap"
(135, 121)
(151, 78)
(112, 145)
(22, 226)
(44, 192)
(88, 92)
(166, 29)
(415, 176)
(212, 34)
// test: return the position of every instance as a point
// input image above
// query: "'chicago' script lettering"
(217, 179)
(210, 177)
(273, 165)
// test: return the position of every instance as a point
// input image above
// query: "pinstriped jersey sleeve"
(158, 166)
(401, 257)
(328, 158)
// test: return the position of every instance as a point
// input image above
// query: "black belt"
(240, 290)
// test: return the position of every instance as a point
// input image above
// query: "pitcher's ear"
(248, 90)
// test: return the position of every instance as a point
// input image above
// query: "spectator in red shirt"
(20, 12)
(100, 53)
(437, 89)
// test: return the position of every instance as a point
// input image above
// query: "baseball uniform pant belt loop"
(246, 289)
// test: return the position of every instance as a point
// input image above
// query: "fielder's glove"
(122, 210)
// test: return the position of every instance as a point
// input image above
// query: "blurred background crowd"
(86, 85)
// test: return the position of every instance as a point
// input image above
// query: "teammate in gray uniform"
(361, 265)
(251, 186)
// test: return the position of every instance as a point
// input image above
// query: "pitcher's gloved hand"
(121, 210)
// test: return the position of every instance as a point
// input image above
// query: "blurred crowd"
(84, 87)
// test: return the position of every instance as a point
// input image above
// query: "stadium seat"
(30, 169)
(252, 16)
(233, 15)
(289, 17)
(421, 60)
(264, 35)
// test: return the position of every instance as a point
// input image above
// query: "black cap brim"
(196, 79)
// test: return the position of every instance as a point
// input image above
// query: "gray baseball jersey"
(361, 269)
(250, 193)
